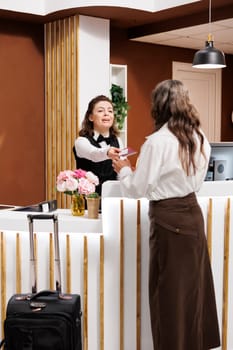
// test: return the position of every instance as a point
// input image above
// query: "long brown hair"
(171, 105)
(87, 125)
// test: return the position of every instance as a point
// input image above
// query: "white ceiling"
(195, 37)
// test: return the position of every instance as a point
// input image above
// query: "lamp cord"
(210, 34)
(209, 11)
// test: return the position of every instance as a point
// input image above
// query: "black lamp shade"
(209, 57)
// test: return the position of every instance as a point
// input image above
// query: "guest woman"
(171, 168)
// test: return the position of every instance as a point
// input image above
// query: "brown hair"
(171, 105)
(87, 125)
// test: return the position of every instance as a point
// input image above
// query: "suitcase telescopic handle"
(48, 293)
(31, 218)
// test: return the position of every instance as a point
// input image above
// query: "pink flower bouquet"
(77, 182)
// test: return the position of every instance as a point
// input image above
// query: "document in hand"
(128, 151)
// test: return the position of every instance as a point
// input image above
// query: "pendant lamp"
(209, 57)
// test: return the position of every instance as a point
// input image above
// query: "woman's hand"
(113, 153)
(118, 164)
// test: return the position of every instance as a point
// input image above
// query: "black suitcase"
(46, 320)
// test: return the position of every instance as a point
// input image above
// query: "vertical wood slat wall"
(61, 94)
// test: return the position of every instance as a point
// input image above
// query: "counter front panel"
(106, 261)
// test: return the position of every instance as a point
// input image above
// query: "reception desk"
(106, 261)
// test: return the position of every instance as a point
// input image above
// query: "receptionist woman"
(98, 142)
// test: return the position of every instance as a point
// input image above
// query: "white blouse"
(159, 173)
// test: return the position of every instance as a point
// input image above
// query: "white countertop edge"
(13, 220)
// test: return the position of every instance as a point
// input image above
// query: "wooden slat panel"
(68, 265)
(63, 102)
(75, 129)
(61, 90)
(48, 105)
(58, 98)
(226, 276)
(138, 298)
(36, 259)
(122, 311)
(85, 294)
(73, 102)
(51, 262)
(18, 264)
(209, 227)
(66, 125)
(3, 281)
(101, 292)
(53, 126)
(61, 70)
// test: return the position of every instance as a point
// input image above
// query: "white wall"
(43, 7)
(165, 4)
(145, 5)
(94, 60)
(24, 6)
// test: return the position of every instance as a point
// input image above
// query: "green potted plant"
(93, 195)
(120, 105)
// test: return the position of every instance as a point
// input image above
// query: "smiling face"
(102, 117)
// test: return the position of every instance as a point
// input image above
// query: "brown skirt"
(181, 291)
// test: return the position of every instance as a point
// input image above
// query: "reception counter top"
(14, 220)
(208, 188)
(17, 220)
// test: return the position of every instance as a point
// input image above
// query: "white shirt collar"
(96, 135)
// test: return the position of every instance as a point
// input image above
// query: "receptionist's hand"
(113, 153)
(118, 164)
